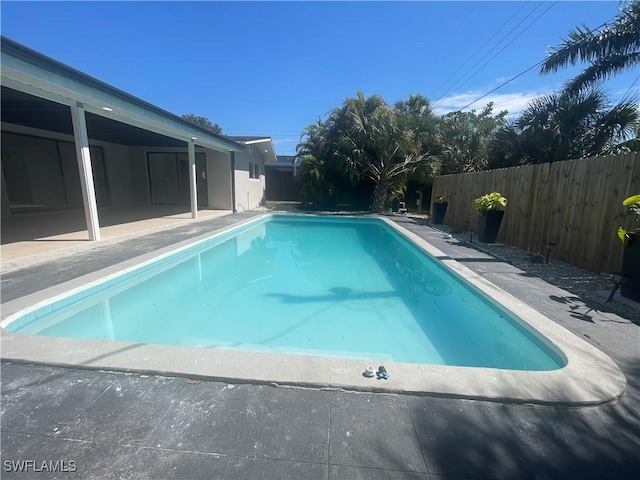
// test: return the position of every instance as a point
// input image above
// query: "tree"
(465, 139)
(415, 115)
(367, 147)
(564, 126)
(203, 122)
(316, 182)
(377, 146)
(315, 175)
(609, 52)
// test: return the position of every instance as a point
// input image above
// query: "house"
(250, 169)
(71, 142)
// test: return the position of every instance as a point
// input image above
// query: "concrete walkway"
(130, 426)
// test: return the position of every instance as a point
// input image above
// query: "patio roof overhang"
(265, 144)
(30, 80)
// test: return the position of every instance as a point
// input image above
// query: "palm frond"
(610, 51)
(601, 69)
(580, 45)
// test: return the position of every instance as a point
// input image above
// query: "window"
(254, 170)
(42, 173)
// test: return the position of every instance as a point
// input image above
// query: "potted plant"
(439, 208)
(490, 207)
(630, 288)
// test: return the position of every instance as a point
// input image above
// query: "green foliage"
(465, 137)
(203, 122)
(623, 234)
(366, 142)
(632, 204)
(615, 49)
(564, 126)
(316, 184)
(579, 121)
(490, 201)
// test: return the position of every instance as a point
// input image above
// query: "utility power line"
(469, 73)
(478, 50)
(444, 45)
(502, 84)
(527, 70)
(463, 81)
(626, 94)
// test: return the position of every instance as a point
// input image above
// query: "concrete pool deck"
(300, 433)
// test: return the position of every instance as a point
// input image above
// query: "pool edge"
(508, 386)
(589, 378)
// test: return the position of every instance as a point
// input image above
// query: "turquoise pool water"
(339, 287)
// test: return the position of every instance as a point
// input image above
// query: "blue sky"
(272, 68)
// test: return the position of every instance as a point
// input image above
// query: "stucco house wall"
(219, 179)
(250, 192)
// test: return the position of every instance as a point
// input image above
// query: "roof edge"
(22, 52)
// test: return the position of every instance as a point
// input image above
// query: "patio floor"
(34, 237)
(115, 425)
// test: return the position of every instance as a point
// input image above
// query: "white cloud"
(513, 102)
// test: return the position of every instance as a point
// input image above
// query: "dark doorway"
(169, 178)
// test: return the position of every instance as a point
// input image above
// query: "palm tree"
(365, 145)
(609, 52)
(376, 147)
(315, 175)
(564, 126)
(316, 183)
(415, 114)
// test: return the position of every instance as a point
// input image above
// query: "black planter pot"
(439, 210)
(630, 288)
(489, 224)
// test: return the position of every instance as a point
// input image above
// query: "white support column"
(193, 188)
(86, 172)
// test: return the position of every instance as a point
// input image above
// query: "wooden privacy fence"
(575, 204)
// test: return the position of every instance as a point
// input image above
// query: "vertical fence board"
(576, 204)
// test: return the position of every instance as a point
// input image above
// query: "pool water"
(339, 287)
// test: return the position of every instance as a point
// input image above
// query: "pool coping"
(589, 378)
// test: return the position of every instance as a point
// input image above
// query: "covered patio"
(83, 161)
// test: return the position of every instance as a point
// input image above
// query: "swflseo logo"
(39, 466)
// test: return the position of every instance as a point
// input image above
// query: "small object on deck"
(550, 246)
(369, 372)
(382, 373)
(616, 284)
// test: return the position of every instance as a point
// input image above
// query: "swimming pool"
(340, 287)
(310, 301)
